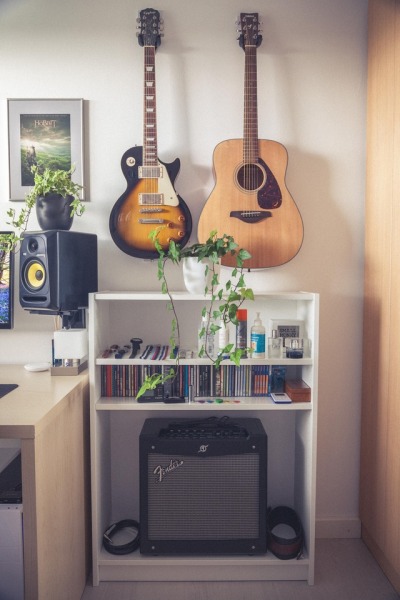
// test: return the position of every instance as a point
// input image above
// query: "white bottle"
(257, 338)
(206, 341)
(223, 338)
(276, 349)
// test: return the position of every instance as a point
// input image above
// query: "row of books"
(195, 380)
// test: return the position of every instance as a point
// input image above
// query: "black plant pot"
(53, 212)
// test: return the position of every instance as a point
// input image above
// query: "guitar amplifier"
(203, 486)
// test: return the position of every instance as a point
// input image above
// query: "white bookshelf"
(116, 422)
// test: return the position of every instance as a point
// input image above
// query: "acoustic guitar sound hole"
(251, 177)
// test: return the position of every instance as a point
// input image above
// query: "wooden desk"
(50, 415)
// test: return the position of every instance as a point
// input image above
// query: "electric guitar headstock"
(149, 26)
(248, 29)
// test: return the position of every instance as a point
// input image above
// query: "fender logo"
(160, 472)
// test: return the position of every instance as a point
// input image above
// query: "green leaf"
(236, 356)
(232, 310)
(214, 328)
(248, 294)
(244, 254)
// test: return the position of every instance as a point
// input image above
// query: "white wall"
(311, 92)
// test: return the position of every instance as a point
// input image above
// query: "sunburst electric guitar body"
(150, 202)
(250, 200)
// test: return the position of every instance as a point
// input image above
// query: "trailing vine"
(224, 300)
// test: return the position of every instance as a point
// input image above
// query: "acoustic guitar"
(250, 200)
(150, 201)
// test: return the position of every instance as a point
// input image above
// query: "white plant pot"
(194, 275)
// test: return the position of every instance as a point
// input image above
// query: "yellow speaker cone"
(35, 275)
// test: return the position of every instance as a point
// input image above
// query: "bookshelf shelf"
(116, 422)
(206, 403)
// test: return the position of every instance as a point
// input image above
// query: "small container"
(257, 338)
(274, 345)
(298, 390)
(241, 330)
(295, 348)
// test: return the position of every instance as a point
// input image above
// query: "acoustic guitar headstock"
(149, 26)
(248, 29)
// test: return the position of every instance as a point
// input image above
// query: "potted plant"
(57, 200)
(223, 300)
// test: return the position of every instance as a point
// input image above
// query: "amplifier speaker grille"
(195, 501)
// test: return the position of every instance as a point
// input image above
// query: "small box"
(298, 390)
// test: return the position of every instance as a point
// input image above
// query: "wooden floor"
(345, 570)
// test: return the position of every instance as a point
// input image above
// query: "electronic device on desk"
(70, 351)
(58, 270)
(6, 288)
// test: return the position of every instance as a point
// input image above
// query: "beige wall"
(312, 87)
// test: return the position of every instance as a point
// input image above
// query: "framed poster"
(288, 328)
(45, 133)
(6, 289)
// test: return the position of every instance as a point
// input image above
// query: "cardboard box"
(298, 390)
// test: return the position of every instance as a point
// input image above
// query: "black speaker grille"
(203, 498)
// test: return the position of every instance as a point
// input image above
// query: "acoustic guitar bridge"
(250, 216)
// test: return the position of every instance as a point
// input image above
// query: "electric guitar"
(250, 200)
(150, 201)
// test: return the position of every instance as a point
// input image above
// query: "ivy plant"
(224, 300)
(46, 182)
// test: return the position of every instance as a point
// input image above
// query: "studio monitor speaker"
(203, 486)
(58, 269)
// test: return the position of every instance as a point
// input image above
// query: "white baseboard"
(338, 528)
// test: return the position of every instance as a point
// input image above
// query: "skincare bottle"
(274, 345)
(223, 337)
(206, 340)
(257, 338)
(295, 349)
